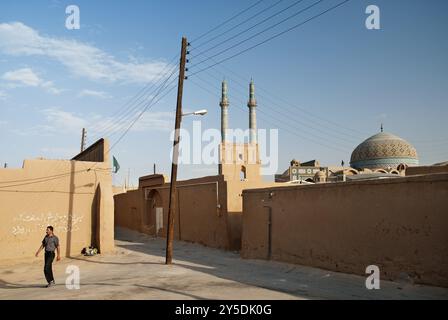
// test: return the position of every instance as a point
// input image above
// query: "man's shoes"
(51, 283)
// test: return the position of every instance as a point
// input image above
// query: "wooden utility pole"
(173, 191)
(83, 139)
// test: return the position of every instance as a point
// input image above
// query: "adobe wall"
(73, 196)
(413, 171)
(400, 225)
(208, 209)
(201, 210)
(128, 210)
(235, 206)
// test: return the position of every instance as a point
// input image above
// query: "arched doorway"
(153, 218)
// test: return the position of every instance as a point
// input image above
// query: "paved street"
(137, 271)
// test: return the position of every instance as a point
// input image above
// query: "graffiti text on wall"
(30, 223)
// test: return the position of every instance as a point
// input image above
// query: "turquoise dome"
(383, 151)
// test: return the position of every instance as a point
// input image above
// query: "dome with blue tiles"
(383, 151)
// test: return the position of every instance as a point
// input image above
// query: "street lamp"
(173, 191)
(195, 113)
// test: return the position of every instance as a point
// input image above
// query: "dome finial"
(382, 128)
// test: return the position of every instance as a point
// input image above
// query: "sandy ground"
(137, 271)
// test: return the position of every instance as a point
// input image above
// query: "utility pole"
(154, 168)
(83, 139)
(173, 191)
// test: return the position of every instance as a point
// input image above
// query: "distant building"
(381, 156)
(302, 172)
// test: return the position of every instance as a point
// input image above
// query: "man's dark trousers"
(48, 268)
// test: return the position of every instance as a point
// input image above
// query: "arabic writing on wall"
(30, 223)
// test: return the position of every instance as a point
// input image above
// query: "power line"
(270, 117)
(112, 123)
(256, 25)
(161, 88)
(320, 128)
(48, 191)
(294, 107)
(60, 176)
(236, 26)
(274, 117)
(142, 112)
(139, 95)
(215, 28)
(108, 127)
(227, 21)
(143, 91)
(33, 179)
(119, 123)
(271, 38)
(432, 142)
(121, 111)
(56, 177)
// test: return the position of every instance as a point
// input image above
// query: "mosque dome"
(383, 151)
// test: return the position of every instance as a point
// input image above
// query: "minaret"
(224, 112)
(252, 104)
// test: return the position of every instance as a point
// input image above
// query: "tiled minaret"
(224, 112)
(252, 104)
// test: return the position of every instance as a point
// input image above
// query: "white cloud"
(158, 121)
(81, 59)
(28, 78)
(149, 121)
(93, 93)
(63, 121)
(3, 95)
(48, 85)
(59, 122)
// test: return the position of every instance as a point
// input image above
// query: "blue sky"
(326, 86)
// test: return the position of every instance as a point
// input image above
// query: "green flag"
(116, 165)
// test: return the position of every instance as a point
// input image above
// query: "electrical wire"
(140, 115)
(270, 38)
(236, 26)
(112, 122)
(293, 107)
(270, 117)
(64, 175)
(275, 108)
(227, 21)
(254, 26)
(142, 91)
(120, 123)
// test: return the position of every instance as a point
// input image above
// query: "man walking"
(50, 243)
